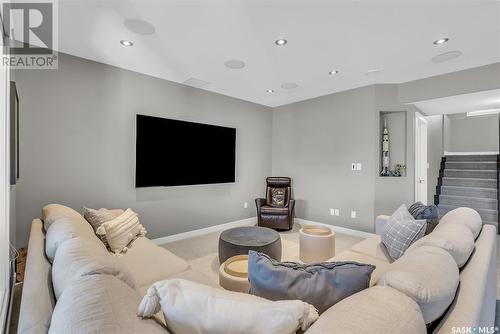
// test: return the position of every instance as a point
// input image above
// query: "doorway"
(420, 159)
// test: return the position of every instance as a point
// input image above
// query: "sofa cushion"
(380, 265)
(149, 263)
(79, 257)
(457, 239)
(428, 275)
(467, 216)
(53, 212)
(195, 308)
(374, 247)
(401, 231)
(375, 310)
(100, 304)
(319, 284)
(64, 229)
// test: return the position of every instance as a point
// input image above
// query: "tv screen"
(172, 153)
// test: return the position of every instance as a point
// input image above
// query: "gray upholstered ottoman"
(240, 240)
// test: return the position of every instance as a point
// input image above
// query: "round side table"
(233, 274)
(317, 243)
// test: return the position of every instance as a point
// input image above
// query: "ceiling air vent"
(194, 82)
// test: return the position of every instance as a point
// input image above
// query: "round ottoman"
(317, 243)
(233, 274)
(239, 240)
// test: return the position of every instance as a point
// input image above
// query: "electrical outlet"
(245, 205)
(332, 212)
(353, 214)
(337, 212)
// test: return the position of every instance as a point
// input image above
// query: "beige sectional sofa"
(373, 308)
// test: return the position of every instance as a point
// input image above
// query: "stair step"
(476, 165)
(469, 182)
(471, 157)
(470, 192)
(471, 173)
(480, 203)
(486, 215)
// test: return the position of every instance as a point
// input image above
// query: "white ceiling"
(463, 103)
(193, 39)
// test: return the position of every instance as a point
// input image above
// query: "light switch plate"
(337, 212)
(245, 205)
(358, 165)
(353, 214)
(332, 212)
(353, 166)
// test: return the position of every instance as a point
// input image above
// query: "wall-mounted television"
(171, 152)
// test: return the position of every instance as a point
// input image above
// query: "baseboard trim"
(339, 229)
(202, 231)
(250, 222)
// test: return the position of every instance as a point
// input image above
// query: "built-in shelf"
(397, 127)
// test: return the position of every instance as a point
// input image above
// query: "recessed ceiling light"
(281, 42)
(270, 90)
(441, 41)
(126, 43)
(447, 56)
(289, 85)
(234, 64)
(333, 72)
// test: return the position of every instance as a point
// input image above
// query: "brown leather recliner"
(277, 209)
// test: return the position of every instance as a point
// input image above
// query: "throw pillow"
(401, 231)
(191, 307)
(121, 231)
(320, 284)
(278, 197)
(98, 217)
(428, 212)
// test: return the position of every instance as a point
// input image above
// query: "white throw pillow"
(428, 275)
(79, 257)
(191, 307)
(122, 230)
(467, 216)
(64, 229)
(455, 238)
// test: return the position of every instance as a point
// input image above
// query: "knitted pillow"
(98, 217)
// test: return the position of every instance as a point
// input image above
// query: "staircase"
(471, 181)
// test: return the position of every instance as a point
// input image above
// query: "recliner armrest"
(259, 202)
(291, 205)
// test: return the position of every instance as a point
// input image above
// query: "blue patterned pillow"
(427, 212)
(401, 231)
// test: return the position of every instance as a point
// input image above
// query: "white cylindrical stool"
(317, 243)
(233, 274)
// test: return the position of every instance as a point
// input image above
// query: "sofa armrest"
(380, 223)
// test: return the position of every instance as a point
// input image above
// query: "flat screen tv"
(172, 153)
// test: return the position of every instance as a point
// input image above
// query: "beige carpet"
(201, 252)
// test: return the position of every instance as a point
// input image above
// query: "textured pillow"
(378, 309)
(64, 229)
(321, 284)
(428, 212)
(456, 239)
(98, 217)
(78, 257)
(467, 216)
(53, 212)
(121, 231)
(191, 307)
(401, 231)
(429, 276)
(100, 304)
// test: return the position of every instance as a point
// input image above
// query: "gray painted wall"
(77, 146)
(473, 134)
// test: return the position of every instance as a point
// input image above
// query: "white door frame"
(420, 158)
